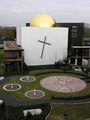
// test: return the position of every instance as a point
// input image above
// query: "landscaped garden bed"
(20, 94)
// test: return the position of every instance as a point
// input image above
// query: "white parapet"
(1, 101)
(32, 111)
(78, 69)
(1, 78)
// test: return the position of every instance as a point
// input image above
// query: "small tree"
(3, 106)
(7, 34)
(29, 116)
(14, 31)
(86, 34)
(0, 34)
(7, 113)
(87, 27)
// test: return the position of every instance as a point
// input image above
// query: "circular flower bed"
(34, 94)
(27, 79)
(12, 87)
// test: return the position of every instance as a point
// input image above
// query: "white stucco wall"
(18, 35)
(57, 37)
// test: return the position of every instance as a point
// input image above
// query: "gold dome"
(42, 20)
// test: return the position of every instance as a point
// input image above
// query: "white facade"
(28, 38)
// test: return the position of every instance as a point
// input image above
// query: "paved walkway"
(9, 100)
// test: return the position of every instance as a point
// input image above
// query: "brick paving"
(63, 84)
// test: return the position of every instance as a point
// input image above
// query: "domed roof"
(42, 20)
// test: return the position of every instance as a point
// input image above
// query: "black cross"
(43, 45)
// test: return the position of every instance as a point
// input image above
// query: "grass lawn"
(1, 51)
(1, 56)
(74, 112)
(20, 94)
(88, 73)
(2, 68)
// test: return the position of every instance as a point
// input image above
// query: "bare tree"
(87, 26)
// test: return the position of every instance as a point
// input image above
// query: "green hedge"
(16, 112)
(71, 98)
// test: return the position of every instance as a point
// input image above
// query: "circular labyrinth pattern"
(27, 79)
(36, 95)
(12, 87)
(63, 84)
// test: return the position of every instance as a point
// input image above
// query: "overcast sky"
(20, 12)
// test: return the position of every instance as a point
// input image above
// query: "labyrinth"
(63, 84)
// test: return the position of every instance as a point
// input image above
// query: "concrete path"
(9, 100)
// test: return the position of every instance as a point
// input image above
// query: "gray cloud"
(18, 12)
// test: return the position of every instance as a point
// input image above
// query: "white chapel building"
(43, 43)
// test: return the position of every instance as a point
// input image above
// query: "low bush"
(71, 98)
(13, 112)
